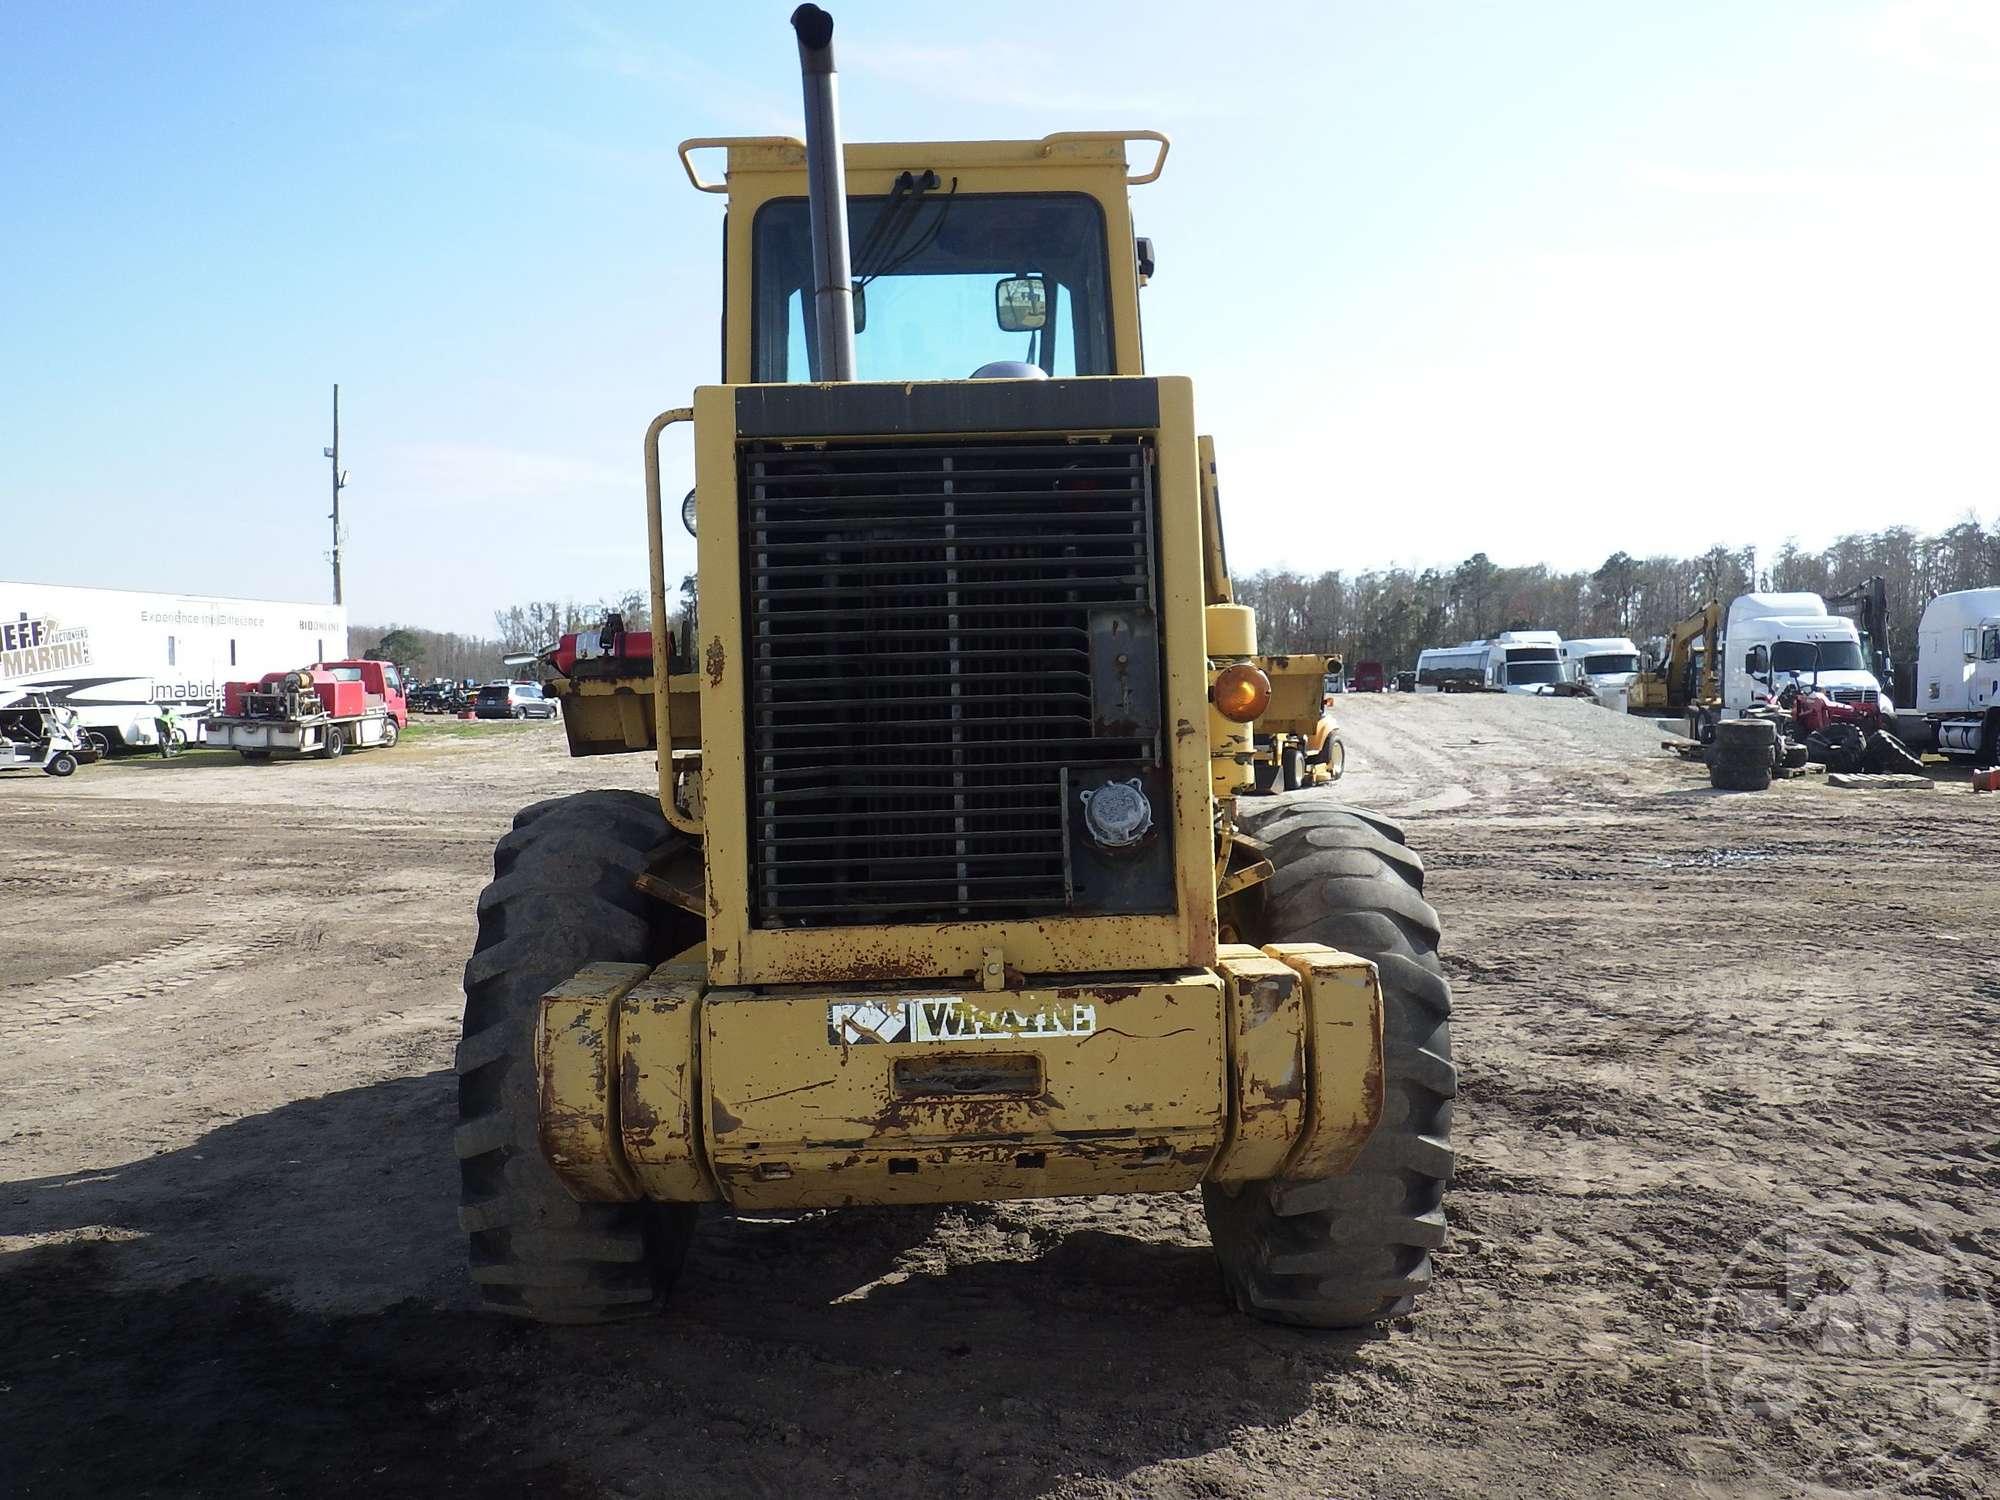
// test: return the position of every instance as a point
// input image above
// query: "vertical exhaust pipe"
(826, 194)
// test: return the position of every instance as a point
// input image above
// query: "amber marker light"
(1240, 692)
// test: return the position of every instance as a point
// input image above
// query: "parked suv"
(513, 700)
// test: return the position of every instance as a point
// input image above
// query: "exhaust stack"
(826, 195)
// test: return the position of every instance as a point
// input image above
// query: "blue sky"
(1545, 279)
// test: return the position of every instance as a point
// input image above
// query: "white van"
(1958, 673)
(1453, 669)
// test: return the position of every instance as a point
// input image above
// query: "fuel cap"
(1117, 813)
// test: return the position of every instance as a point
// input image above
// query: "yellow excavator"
(1686, 674)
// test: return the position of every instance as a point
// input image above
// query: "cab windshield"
(1798, 656)
(1606, 665)
(1524, 672)
(926, 268)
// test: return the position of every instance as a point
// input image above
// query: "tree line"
(1391, 614)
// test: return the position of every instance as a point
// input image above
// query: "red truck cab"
(1370, 678)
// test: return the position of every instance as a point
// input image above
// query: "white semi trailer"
(116, 656)
(1958, 673)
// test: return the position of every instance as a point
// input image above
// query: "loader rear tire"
(1347, 1251)
(562, 896)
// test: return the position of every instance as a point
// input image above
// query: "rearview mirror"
(1021, 304)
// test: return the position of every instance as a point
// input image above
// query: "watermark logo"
(1851, 1359)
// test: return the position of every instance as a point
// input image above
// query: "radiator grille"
(918, 620)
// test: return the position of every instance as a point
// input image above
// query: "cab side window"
(1989, 644)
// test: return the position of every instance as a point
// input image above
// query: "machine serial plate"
(952, 1018)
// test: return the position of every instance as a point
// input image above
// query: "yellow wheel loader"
(945, 894)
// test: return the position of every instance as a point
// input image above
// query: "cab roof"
(1065, 149)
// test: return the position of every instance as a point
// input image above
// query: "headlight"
(687, 512)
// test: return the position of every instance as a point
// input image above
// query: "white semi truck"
(119, 657)
(1524, 661)
(1958, 673)
(1606, 662)
(1770, 639)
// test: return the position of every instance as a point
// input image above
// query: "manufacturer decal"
(950, 1018)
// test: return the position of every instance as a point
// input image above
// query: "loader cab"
(1008, 258)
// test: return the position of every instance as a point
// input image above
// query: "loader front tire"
(1347, 1251)
(562, 896)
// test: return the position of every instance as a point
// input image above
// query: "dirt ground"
(1726, 1219)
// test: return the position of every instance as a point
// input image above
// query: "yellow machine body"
(819, 1096)
(788, 1064)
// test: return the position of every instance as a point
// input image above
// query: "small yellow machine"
(945, 894)
(1297, 739)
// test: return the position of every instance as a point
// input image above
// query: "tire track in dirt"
(147, 976)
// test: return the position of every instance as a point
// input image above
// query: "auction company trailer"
(114, 655)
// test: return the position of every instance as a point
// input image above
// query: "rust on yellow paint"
(1267, 1065)
(659, 1083)
(576, 1038)
(1344, 1081)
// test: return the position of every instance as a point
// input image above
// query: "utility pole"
(339, 484)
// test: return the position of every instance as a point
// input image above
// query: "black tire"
(1890, 755)
(1796, 755)
(1347, 1251)
(391, 732)
(1838, 747)
(520, 713)
(1736, 773)
(561, 896)
(1292, 767)
(1333, 755)
(62, 763)
(335, 744)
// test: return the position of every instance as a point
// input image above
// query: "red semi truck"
(1370, 678)
(326, 710)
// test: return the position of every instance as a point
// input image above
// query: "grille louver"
(918, 621)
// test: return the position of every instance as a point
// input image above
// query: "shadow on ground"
(205, 1339)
